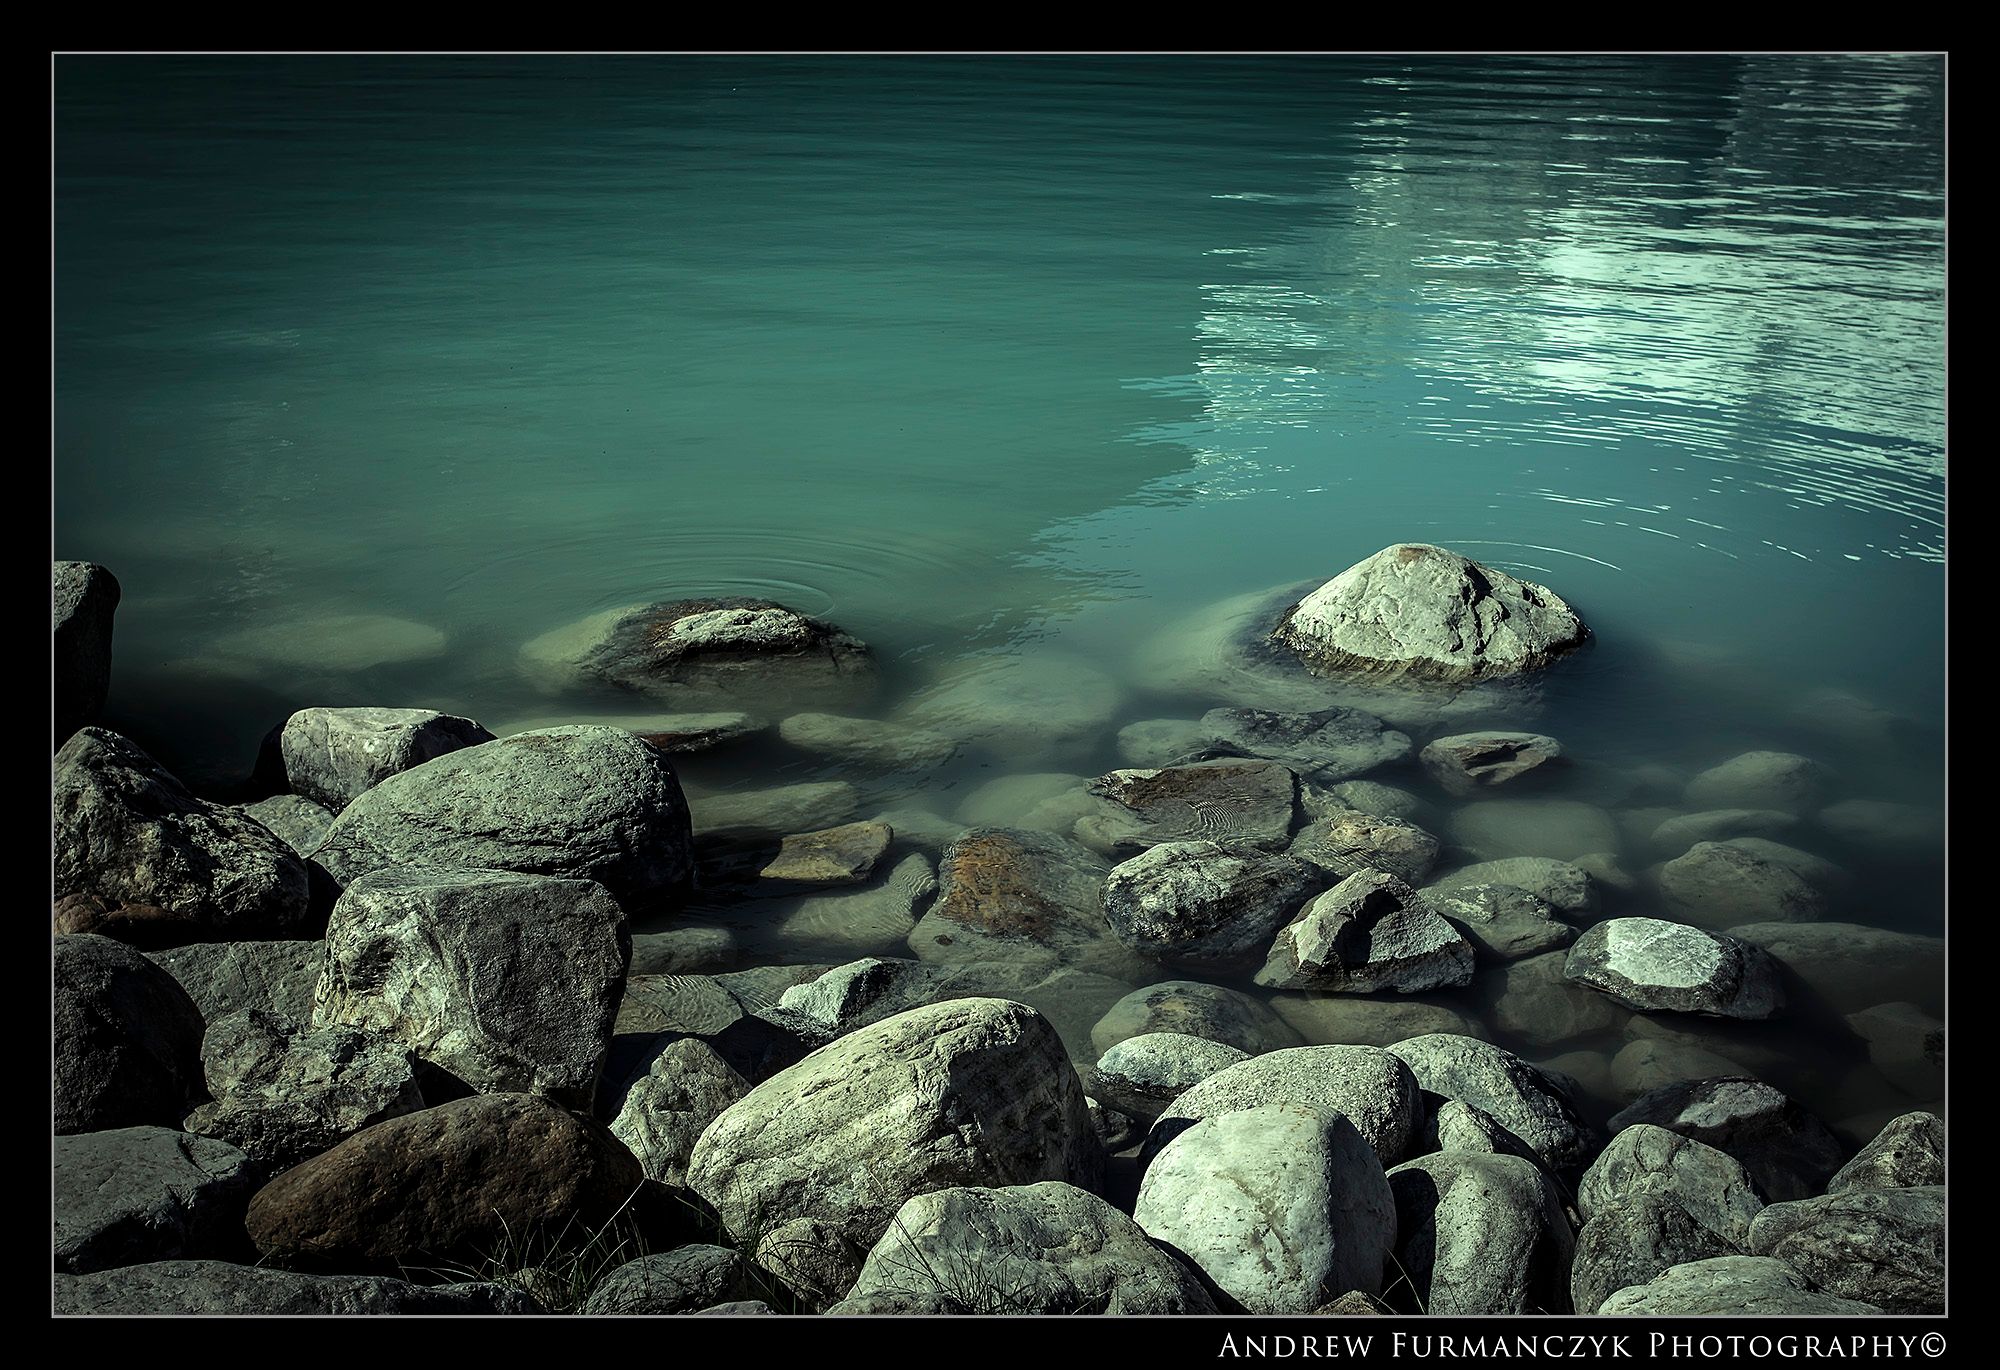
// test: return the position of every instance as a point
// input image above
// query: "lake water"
(368, 371)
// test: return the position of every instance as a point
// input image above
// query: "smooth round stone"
(1199, 1010)
(1722, 884)
(1761, 780)
(1561, 829)
(1143, 1075)
(1370, 1087)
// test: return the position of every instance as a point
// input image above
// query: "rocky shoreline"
(457, 1022)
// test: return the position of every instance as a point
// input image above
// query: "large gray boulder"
(1788, 1152)
(1143, 1075)
(1730, 1286)
(511, 982)
(687, 1279)
(129, 834)
(1284, 1207)
(661, 1114)
(1372, 1089)
(1466, 763)
(1642, 1159)
(127, 1039)
(1243, 803)
(83, 602)
(1036, 1248)
(1203, 904)
(1198, 1009)
(1368, 934)
(590, 802)
(1631, 1242)
(1563, 885)
(282, 1092)
(222, 977)
(1879, 1246)
(1528, 1103)
(332, 756)
(139, 1194)
(1013, 894)
(1342, 842)
(970, 1091)
(1481, 1234)
(211, 1287)
(1906, 1153)
(1424, 612)
(1655, 966)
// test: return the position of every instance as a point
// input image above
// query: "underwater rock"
(1676, 835)
(867, 741)
(1022, 707)
(1481, 1234)
(1201, 904)
(1649, 1063)
(1199, 1010)
(1242, 803)
(127, 1039)
(1561, 829)
(1369, 933)
(739, 815)
(1329, 745)
(1369, 796)
(84, 602)
(1906, 1045)
(1722, 884)
(670, 732)
(1885, 829)
(1655, 966)
(1010, 894)
(1467, 763)
(1534, 1000)
(1761, 780)
(845, 855)
(1369, 1087)
(1050, 801)
(1351, 1020)
(1344, 842)
(137, 1194)
(1563, 885)
(1854, 967)
(332, 756)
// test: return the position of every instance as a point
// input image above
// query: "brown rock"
(832, 856)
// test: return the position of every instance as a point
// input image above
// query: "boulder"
(283, 1092)
(1502, 922)
(1143, 1075)
(586, 803)
(1560, 829)
(453, 1181)
(1036, 1248)
(1467, 763)
(1906, 1154)
(1711, 1185)
(1373, 1090)
(1563, 885)
(1655, 966)
(300, 822)
(136, 1194)
(210, 1287)
(127, 1039)
(867, 741)
(688, 1279)
(1787, 1151)
(1431, 614)
(1480, 1234)
(1520, 1098)
(1761, 780)
(1722, 884)
(1011, 894)
(1198, 1010)
(128, 833)
(1283, 1207)
(1906, 1045)
(1369, 933)
(84, 601)
(1725, 1286)
(1344, 841)
(1635, 1240)
(1330, 745)
(511, 982)
(1202, 904)
(332, 756)
(1879, 1246)
(1853, 967)
(659, 1116)
(970, 1090)
(222, 977)
(1349, 1020)
(1244, 804)
(855, 994)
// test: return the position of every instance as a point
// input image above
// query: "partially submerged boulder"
(1368, 934)
(332, 756)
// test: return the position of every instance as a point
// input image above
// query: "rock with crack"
(302, 823)
(1344, 841)
(1243, 803)
(137, 1194)
(1368, 934)
(333, 756)
(660, 1115)
(1467, 763)
(1203, 904)
(1655, 966)
(1480, 1234)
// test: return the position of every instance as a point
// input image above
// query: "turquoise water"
(1009, 356)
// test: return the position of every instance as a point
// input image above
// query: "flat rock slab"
(845, 855)
(1730, 1286)
(1368, 934)
(1242, 803)
(211, 1287)
(1204, 905)
(1655, 966)
(1431, 614)
(332, 756)
(1467, 763)
(1790, 1153)
(677, 733)
(138, 1194)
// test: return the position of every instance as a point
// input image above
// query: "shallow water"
(369, 371)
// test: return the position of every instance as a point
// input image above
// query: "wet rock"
(127, 1039)
(1563, 885)
(222, 977)
(971, 1090)
(1369, 933)
(1143, 1075)
(845, 855)
(1013, 894)
(1241, 803)
(855, 994)
(1906, 1045)
(1681, 832)
(695, 649)
(1906, 1154)
(1369, 1087)
(1643, 1159)
(1116, 1131)
(867, 741)
(1161, 741)
(1519, 1097)
(1347, 1020)
(1646, 1064)
(1330, 745)
(741, 1308)
(687, 950)
(1878, 1246)
(211, 1287)
(510, 982)
(1534, 1000)
(1197, 1010)
(1854, 967)
(128, 833)
(84, 602)
(676, 733)
(1050, 801)
(332, 756)
(299, 821)
(1788, 1152)
(321, 646)
(1502, 922)
(1761, 780)
(688, 1279)
(686, 1087)
(1724, 1286)
(842, 923)
(1024, 707)
(1345, 841)
(1883, 828)
(1481, 1234)
(1655, 966)
(1037, 1248)
(1635, 1241)
(1422, 611)
(1468, 763)
(586, 803)
(1282, 1207)
(283, 1092)
(1201, 904)
(1722, 884)
(139, 1194)
(1561, 829)
(449, 1182)
(1368, 796)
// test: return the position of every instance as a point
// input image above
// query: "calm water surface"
(1014, 357)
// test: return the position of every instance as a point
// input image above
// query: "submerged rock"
(1652, 965)
(1349, 1020)
(1196, 1009)
(1885, 829)
(1202, 904)
(1722, 884)
(1906, 1045)
(1368, 796)
(1563, 885)
(1242, 803)
(127, 1039)
(1283, 1207)
(1788, 1152)
(1421, 611)
(1761, 780)
(1680, 833)
(845, 855)
(210, 1287)
(332, 756)
(1369, 1087)
(1502, 922)
(1343, 842)
(1369, 933)
(139, 1194)
(1024, 707)
(1533, 999)
(1481, 1234)
(1723, 1286)
(1467, 763)
(84, 601)
(1561, 829)
(867, 741)
(1011, 894)
(1878, 1246)
(1854, 967)
(774, 813)
(1330, 745)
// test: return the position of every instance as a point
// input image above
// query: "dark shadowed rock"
(1467, 763)
(1368, 934)
(85, 599)
(1655, 966)
(1369, 1087)
(1480, 1234)
(1239, 802)
(1854, 967)
(332, 756)
(1906, 1045)
(1724, 1286)
(1202, 904)
(1199, 1010)
(1788, 1152)
(1344, 841)
(1907, 1153)
(688, 1279)
(1533, 999)
(1519, 1097)
(210, 1287)
(1422, 611)
(451, 1181)
(127, 1039)
(1879, 1246)
(128, 833)
(138, 1194)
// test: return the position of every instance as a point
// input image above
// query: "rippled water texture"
(369, 371)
